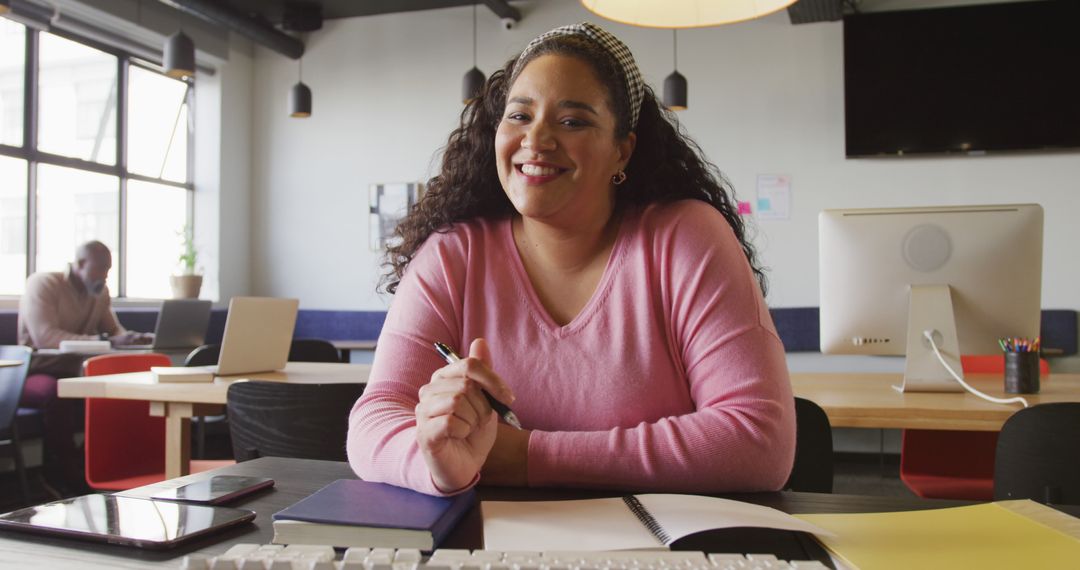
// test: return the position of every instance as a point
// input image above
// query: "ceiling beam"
(503, 10)
(259, 31)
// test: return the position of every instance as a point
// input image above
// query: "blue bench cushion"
(797, 326)
(799, 329)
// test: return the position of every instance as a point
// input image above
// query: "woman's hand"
(456, 426)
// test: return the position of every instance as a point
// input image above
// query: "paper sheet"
(773, 197)
(987, 536)
(683, 515)
(608, 524)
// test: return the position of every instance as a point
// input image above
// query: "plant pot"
(185, 286)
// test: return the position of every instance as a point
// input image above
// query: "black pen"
(500, 408)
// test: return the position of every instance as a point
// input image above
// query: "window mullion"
(121, 163)
(189, 99)
(30, 138)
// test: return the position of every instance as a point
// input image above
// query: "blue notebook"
(351, 512)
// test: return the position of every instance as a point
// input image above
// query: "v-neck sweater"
(671, 378)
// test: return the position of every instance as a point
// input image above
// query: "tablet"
(124, 520)
(215, 490)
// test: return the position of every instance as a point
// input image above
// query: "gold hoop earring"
(618, 178)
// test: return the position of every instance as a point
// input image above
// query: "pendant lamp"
(683, 13)
(179, 57)
(473, 82)
(675, 84)
(300, 97)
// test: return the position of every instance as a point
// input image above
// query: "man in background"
(73, 305)
(58, 306)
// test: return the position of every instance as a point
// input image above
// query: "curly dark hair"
(666, 165)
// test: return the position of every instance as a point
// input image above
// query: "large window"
(12, 78)
(94, 145)
(12, 224)
(77, 90)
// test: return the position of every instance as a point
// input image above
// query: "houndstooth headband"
(611, 44)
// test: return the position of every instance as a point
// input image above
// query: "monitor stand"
(930, 308)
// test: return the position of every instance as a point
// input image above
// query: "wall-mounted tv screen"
(971, 79)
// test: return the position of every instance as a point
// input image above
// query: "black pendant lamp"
(179, 57)
(675, 84)
(300, 97)
(473, 82)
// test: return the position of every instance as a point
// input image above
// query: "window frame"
(29, 151)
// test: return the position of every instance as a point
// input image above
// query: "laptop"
(181, 324)
(258, 334)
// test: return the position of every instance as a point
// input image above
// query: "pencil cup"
(1022, 372)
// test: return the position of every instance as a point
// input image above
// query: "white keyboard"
(307, 557)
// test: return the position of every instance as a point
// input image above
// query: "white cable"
(930, 337)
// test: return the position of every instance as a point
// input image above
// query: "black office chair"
(313, 350)
(17, 423)
(301, 350)
(280, 419)
(1037, 455)
(205, 355)
(813, 468)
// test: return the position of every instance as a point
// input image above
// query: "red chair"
(950, 464)
(125, 445)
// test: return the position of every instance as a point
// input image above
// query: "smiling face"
(555, 146)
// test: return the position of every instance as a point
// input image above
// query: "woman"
(594, 268)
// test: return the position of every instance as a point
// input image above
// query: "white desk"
(179, 402)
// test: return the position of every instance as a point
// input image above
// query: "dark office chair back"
(205, 355)
(313, 350)
(301, 350)
(813, 468)
(1037, 455)
(279, 419)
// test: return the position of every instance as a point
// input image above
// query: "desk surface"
(297, 478)
(867, 400)
(141, 386)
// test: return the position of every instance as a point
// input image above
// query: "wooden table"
(10, 363)
(178, 402)
(867, 400)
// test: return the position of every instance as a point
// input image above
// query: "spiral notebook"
(634, 522)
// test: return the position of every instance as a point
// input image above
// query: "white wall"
(223, 168)
(766, 97)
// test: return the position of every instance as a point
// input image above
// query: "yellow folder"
(1006, 534)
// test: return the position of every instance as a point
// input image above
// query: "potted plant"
(187, 284)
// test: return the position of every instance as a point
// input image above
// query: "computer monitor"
(970, 274)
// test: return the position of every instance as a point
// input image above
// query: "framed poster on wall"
(388, 203)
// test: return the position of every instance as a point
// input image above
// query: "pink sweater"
(670, 379)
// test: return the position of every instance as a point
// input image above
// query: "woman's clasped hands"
(457, 430)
